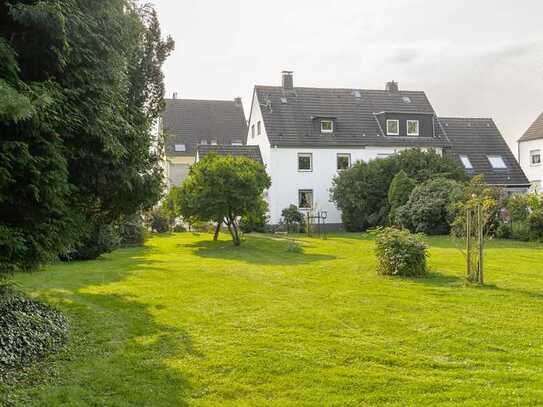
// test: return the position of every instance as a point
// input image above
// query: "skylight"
(180, 147)
(496, 161)
(356, 94)
(466, 162)
(406, 99)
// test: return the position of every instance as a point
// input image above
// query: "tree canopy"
(80, 89)
(222, 189)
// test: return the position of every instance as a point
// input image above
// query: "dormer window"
(496, 161)
(393, 127)
(466, 162)
(412, 127)
(327, 126)
(180, 148)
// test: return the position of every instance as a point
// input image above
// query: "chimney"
(174, 96)
(237, 101)
(392, 87)
(288, 80)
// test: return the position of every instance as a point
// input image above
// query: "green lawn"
(189, 321)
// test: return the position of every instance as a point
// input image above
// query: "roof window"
(496, 161)
(180, 147)
(466, 162)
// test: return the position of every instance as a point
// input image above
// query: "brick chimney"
(288, 80)
(392, 87)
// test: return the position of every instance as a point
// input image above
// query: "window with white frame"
(466, 162)
(535, 157)
(327, 126)
(214, 142)
(393, 127)
(343, 161)
(258, 128)
(412, 127)
(305, 162)
(253, 131)
(237, 142)
(496, 161)
(203, 142)
(180, 147)
(305, 198)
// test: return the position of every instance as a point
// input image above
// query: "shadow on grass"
(257, 250)
(435, 278)
(117, 354)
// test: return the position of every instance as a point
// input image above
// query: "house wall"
(287, 180)
(259, 140)
(177, 169)
(533, 172)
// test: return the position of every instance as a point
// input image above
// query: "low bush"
(179, 228)
(256, 219)
(28, 330)
(293, 219)
(294, 247)
(535, 224)
(400, 253)
(159, 221)
(132, 231)
(503, 231)
(99, 240)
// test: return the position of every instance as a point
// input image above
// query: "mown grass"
(188, 321)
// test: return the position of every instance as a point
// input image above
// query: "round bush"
(400, 253)
(28, 330)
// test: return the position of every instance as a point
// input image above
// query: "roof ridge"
(341, 88)
(198, 100)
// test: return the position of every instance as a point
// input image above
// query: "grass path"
(187, 321)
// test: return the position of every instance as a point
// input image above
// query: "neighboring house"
(252, 152)
(307, 135)
(530, 150)
(191, 123)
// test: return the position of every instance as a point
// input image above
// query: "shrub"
(132, 232)
(293, 218)
(99, 240)
(179, 228)
(429, 209)
(535, 224)
(504, 231)
(159, 221)
(399, 191)
(400, 253)
(294, 247)
(28, 330)
(256, 219)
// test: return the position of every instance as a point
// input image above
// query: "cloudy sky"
(480, 58)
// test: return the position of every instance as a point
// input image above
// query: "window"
(496, 161)
(237, 142)
(214, 142)
(203, 142)
(258, 130)
(253, 131)
(305, 162)
(466, 162)
(305, 198)
(343, 161)
(393, 127)
(535, 157)
(412, 127)
(180, 147)
(327, 126)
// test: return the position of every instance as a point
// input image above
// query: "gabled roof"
(288, 116)
(477, 139)
(189, 121)
(535, 131)
(252, 152)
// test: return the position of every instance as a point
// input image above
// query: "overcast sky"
(478, 58)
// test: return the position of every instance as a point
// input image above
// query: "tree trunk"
(217, 230)
(233, 228)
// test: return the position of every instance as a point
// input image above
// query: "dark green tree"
(223, 189)
(398, 192)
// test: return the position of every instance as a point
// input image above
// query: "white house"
(530, 148)
(307, 135)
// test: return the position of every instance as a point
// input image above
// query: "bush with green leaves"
(535, 224)
(361, 192)
(399, 191)
(256, 219)
(100, 239)
(160, 221)
(132, 231)
(430, 208)
(28, 330)
(400, 253)
(293, 218)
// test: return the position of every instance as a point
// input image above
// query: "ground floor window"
(343, 161)
(305, 198)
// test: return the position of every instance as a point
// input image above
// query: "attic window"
(535, 158)
(393, 127)
(412, 127)
(327, 126)
(203, 142)
(180, 148)
(284, 100)
(214, 142)
(237, 142)
(496, 161)
(406, 99)
(466, 162)
(356, 94)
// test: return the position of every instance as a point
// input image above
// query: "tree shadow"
(434, 278)
(118, 353)
(258, 250)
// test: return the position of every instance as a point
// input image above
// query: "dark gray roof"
(478, 138)
(189, 121)
(290, 124)
(535, 131)
(252, 152)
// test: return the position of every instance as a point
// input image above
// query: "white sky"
(478, 58)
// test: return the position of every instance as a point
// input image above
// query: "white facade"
(527, 152)
(287, 180)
